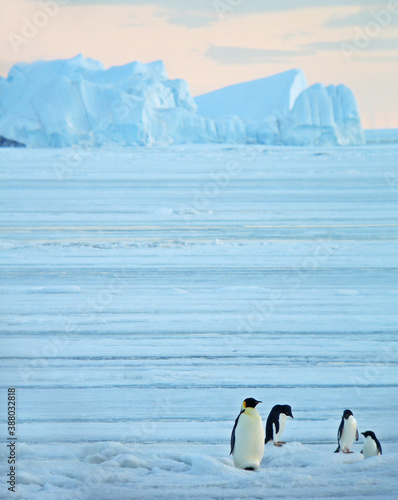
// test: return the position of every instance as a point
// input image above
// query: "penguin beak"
(258, 402)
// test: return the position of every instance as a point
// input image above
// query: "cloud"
(294, 35)
(362, 18)
(374, 44)
(378, 59)
(244, 5)
(203, 13)
(191, 21)
(245, 55)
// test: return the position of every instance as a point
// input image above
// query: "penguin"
(372, 446)
(276, 423)
(347, 432)
(247, 438)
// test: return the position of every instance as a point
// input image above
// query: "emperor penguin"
(347, 432)
(276, 423)
(247, 438)
(372, 446)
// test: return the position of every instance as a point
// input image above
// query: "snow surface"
(63, 103)
(146, 292)
(381, 136)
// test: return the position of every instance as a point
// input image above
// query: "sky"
(215, 43)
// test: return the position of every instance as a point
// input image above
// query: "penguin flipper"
(268, 431)
(340, 431)
(276, 423)
(356, 435)
(233, 433)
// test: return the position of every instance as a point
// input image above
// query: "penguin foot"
(250, 468)
(278, 444)
(347, 451)
(282, 442)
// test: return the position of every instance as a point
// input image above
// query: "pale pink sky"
(214, 43)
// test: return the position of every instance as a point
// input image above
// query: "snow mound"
(65, 103)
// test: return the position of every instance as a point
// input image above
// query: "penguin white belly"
(249, 440)
(282, 425)
(370, 448)
(348, 435)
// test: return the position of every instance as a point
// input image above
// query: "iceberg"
(255, 100)
(7, 143)
(282, 109)
(78, 102)
(323, 115)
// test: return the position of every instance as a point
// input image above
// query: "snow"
(146, 292)
(381, 136)
(64, 103)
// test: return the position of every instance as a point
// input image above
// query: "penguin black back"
(273, 420)
(373, 436)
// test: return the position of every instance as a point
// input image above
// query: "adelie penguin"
(276, 423)
(372, 446)
(247, 438)
(347, 432)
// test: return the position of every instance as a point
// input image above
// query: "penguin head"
(347, 414)
(250, 403)
(287, 410)
(370, 434)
